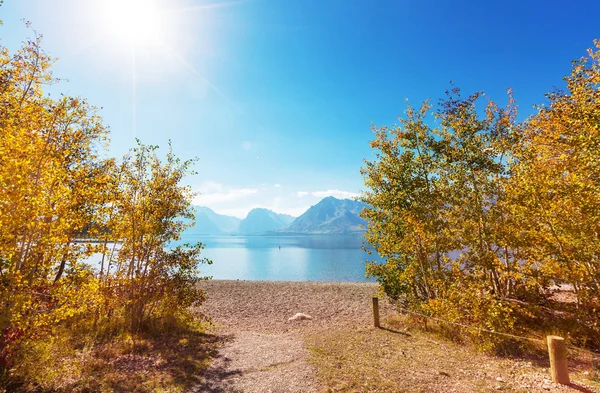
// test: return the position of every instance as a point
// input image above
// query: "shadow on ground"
(217, 379)
(181, 362)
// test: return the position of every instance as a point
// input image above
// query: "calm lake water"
(284, 258)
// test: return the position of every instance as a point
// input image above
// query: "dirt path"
(262, 362)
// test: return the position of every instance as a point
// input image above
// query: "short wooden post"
(558, 360)
(376, 311)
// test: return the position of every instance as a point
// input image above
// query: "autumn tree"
(49, 176)
(555, 186)
(145, 214)
(62, 203)
(477, 216)
(437, 215)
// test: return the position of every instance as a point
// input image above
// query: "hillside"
(330, 216)
(210, 223)
(263, 220)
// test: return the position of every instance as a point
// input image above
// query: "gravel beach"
(265, 306)
(265, 351)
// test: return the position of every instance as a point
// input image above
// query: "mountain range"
(328, 217)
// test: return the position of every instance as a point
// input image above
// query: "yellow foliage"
(555, 188)
(49, 174)
(480, 215)
(61, 202)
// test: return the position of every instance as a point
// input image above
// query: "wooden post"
(558, 360)
(376, 311)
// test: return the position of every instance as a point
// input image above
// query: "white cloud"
(214, 193)
(335, 193)
(247, 145)
(294, 211)
(276, 185)
(240, 212)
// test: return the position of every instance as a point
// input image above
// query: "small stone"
(499, 379)
(586, 373)
(547, 381)
(498, 387)
(299, 317)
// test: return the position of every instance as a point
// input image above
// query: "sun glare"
(137, 22)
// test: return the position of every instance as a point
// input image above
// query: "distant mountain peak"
(261, 220)
(260, 210)
(330, 216)
(210, 223)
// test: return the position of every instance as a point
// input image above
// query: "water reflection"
(289, 258)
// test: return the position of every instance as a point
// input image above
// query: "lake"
(284, 258)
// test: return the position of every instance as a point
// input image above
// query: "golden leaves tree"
(437, 214)
(139, 274)
(61, 202)
(477, 217)
(48, 183)
(555, 187)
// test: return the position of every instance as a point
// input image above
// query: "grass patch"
(398, 359)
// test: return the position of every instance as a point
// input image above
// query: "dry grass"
(396, 359)
(173, 363)
(165, 364)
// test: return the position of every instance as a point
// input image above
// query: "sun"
(136, 22)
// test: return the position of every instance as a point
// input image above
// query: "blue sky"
(276, 97)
